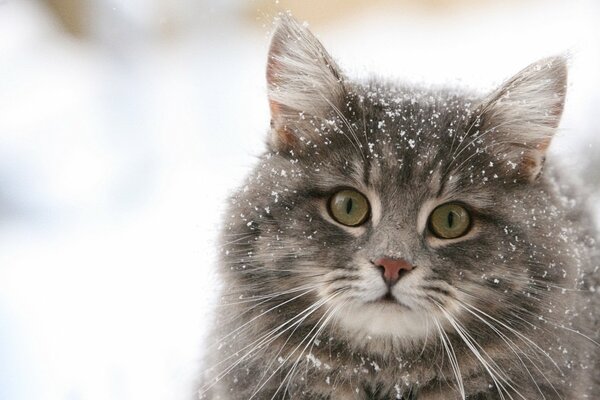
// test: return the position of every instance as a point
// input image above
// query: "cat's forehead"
(412, 112)
(407, 132)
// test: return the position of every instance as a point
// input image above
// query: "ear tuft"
(518, 121)
(303, 81)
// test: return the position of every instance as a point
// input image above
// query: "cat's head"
(395, 210)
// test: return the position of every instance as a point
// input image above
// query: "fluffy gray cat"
(398, 242)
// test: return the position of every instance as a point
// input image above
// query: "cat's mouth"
(389, 299)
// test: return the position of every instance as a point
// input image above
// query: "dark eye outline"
(367, 216)
(470, 213)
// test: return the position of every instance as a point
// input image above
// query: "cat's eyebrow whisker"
(478, 150)
(480, 136)
(465, 146)
(477, 119)
(347, 123)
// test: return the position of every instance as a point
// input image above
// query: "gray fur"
(509, 311)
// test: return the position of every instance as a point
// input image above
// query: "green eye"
(349, 207)
(449, 221)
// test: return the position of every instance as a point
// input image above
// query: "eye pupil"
(349, 206)
(450, 219)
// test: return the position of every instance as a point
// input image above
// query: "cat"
(401, 242)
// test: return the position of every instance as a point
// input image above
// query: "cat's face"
(396, 211)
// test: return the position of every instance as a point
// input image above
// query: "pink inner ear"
(533, 160)
(285, 139)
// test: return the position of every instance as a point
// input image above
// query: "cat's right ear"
(304, 84)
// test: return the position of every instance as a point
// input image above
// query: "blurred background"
(124, 124)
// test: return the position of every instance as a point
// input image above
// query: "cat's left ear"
(304, 84)
(518, 121)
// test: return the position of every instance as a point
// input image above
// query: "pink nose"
(392, 269)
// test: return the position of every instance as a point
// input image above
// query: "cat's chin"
(385, 318)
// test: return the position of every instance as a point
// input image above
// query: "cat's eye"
(450, 221)
(349, 207)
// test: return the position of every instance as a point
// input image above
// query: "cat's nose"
(392, 269)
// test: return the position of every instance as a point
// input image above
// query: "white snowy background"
(116, 155)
